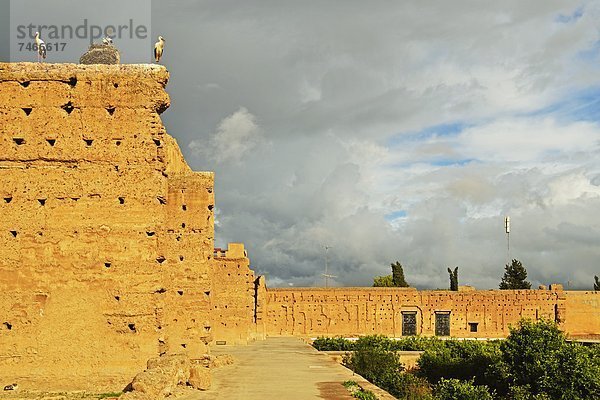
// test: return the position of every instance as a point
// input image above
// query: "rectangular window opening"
(442, 323)
(409, 323)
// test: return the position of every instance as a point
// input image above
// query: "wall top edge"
(411, 290)
(48, 71)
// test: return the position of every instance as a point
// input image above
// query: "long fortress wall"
(397, 312)
(106, 235)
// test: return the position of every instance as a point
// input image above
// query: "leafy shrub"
(454, 389)
(465, 360)
(375, 364)
(364, 395)
(409, 343)
(541, 362)
(333, 344)
(407, 386)
(358, 392)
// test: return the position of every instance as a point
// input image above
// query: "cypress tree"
(398, 275)
(453, 279)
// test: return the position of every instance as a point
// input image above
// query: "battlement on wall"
(106, 235)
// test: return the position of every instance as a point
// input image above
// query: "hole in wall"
(178, 238)
(150, 233)
(207, 293)
(72, 82)
(132, 327)
(24, 84)
(8, 325)
(68, 108)
(107, 264)
(117, 142)
(75, 198)
(121, 200)
(110, 110)
(180, 292)
(14, 233)
(40, 233)
(7, 199)
(19, 141)
(209, 190)
(161, 290)
(183, 225)
(183, 345)
(156, 142)
(27, 110)
(116, 85)
(117, 168)
(181, 258)
(184, 207)
(88, 142)
(210, 207)
(42, 202)
(117, 298)
(51, 142)
(161, 200)
(160, 259)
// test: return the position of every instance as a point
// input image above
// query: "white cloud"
(236, 135)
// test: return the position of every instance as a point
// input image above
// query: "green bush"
(407, 386)
(541, 362)
(375, 364)
(333, 344)
(465, 360)
(409, 343)
(454, 389)
(364, 395)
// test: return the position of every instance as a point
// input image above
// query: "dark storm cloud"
(318, 118)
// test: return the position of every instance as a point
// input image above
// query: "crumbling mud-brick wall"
(106, 235)
(235, 294)
(582, 314)
(386, 311)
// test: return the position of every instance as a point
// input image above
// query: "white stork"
(159, 47)
(41, 47)
(107, 41)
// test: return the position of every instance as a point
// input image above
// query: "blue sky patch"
(449, 162)
(581, 106)
(395, 215)
(565, 19)
(441, 130)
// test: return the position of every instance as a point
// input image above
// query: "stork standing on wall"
(41, 47)
(107, 41)
(159, 47)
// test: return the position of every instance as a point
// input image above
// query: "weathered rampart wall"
(582, 314)
(482, 313)
(106, 235)
(234, 294)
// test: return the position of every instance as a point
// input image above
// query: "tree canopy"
(383, 281)
(515, 276)
(396, 279)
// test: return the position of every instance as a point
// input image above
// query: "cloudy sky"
(394, 131)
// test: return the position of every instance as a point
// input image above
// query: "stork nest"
(101, 54)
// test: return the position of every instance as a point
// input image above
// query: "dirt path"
(280, 368)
